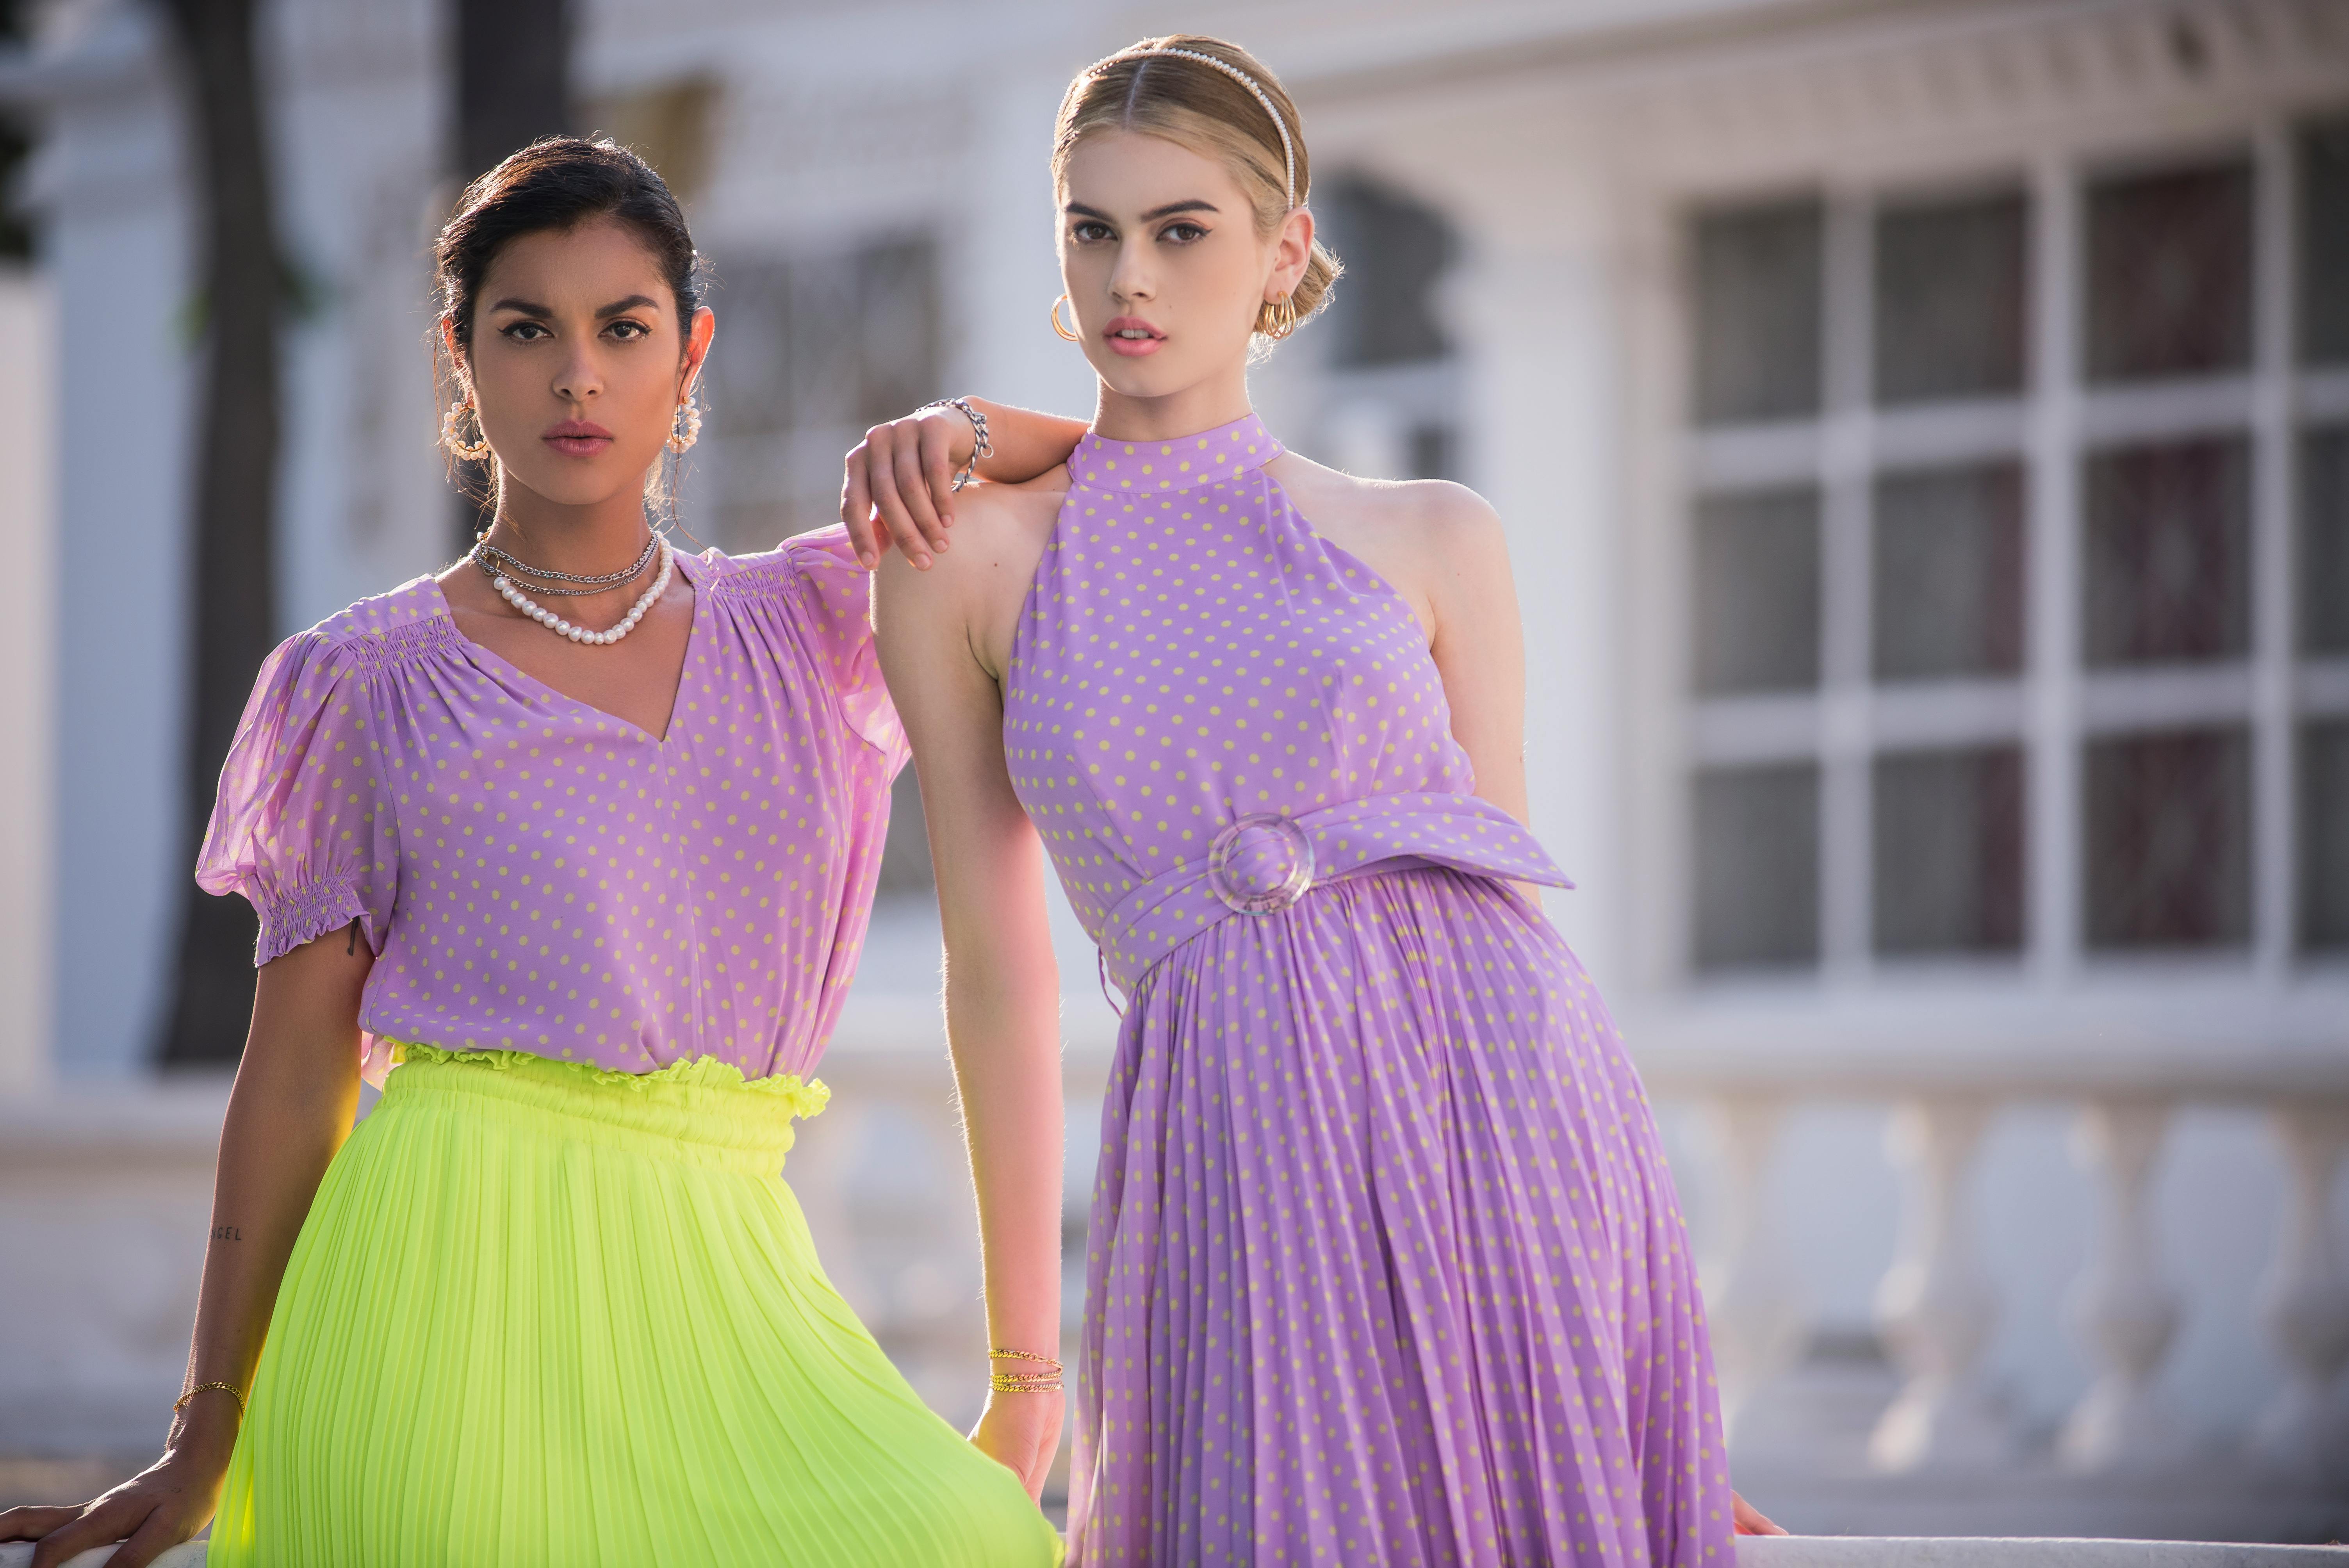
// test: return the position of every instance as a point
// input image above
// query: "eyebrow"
(1080, 209)
(617, 307)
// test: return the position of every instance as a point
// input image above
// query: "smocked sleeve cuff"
(301, 915)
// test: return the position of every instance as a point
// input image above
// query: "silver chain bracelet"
(980, 447)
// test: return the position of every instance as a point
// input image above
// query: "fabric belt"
(1262, 865)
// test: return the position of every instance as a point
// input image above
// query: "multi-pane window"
(2322, 561)
(1388, 380)
(1986, 483)
(815, 347)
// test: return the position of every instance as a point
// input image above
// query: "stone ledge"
(1791, 1552)
(188, 1555)
(2000, 1551)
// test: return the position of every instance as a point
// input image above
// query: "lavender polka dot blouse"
(534, 875)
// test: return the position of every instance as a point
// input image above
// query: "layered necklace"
(501, 567)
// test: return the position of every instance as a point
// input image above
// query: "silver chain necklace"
(495, 562)
(606, 638)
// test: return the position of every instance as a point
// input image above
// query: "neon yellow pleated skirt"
(542, 1314)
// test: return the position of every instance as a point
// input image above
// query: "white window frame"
(2057, 706)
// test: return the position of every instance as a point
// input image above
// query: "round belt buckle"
(1260, 864)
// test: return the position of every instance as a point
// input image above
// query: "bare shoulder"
(980, 580)
(1409, 517)
(996, 528)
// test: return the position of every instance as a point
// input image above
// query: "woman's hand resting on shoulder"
(1020, 1432)
(899, 486)
(152, 1512)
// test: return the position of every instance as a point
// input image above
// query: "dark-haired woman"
(583, 835)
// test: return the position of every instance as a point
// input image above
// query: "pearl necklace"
(563, 628)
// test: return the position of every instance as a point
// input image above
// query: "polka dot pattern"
(1385, 1265)
(536, 875)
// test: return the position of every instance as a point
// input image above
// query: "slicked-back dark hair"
(557, 183)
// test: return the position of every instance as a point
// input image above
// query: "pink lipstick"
(1132, 337)
(579, 438)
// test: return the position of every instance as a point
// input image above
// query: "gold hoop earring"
(685, 427)
(1063, 332)
(1275, 319)
(452, 432)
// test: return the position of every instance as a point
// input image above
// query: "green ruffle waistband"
(701, 1109)
(807, 1097)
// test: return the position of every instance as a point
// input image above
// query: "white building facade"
(1923, 431)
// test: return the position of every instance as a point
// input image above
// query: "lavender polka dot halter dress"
(1385, 1265)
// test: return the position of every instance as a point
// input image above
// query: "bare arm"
(1002, 987)
(296, 1090)
(903, 472)
(1479, 644)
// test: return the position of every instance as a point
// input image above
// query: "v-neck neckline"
(483, 652)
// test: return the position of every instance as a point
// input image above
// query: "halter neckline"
(1184, 462)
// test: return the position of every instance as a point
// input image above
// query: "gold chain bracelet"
(230, 1389)
(1025, 1382)
(1002, 1355)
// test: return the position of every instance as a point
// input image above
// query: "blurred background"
(1923, 429)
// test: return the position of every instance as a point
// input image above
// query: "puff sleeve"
(836, 592)
(303, 827)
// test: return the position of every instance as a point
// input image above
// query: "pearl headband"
(1288, 147)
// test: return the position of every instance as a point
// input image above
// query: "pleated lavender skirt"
(1386, 1266)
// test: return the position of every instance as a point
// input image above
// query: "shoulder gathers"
(385, 629)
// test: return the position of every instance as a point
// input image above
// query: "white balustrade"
(1754, 1300)
(2305, 1302)
(1943, 1453)
(2121, 1310)
(1936, 1306)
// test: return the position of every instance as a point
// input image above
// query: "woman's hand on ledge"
(152, 1512)
(1021, 1432)
(1750, 1521)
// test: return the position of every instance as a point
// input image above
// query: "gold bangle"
(1002, 1355)
(228, 1389)
(1025, 1382)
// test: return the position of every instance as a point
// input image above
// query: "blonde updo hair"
(1200, 107)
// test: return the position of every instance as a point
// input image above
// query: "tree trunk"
(513, 78)
(514, 86)
(232, 608)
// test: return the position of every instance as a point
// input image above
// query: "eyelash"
(636, 329)
(1090, 233)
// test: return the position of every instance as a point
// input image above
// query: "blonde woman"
(1386, 1266)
